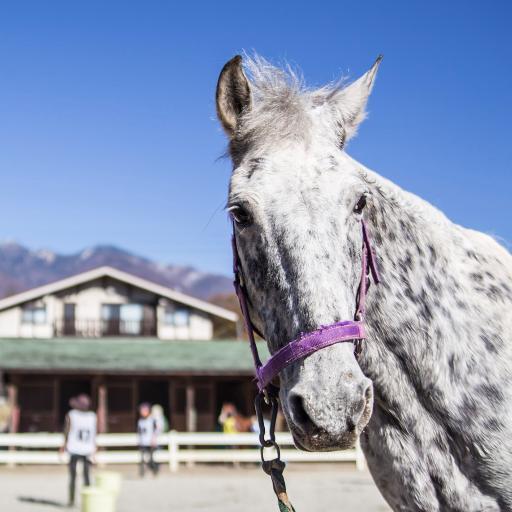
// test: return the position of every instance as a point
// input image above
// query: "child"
(79, 439)
(147, 430)
(162, 423)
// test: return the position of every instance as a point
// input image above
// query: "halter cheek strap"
(308, 343)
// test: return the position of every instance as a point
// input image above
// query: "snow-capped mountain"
(22, 268)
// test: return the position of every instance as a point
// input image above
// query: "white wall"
(200, 327)
(10, 321)
(11, 325)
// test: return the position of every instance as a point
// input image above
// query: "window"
(122, 319)
(176, 316)
(68, 326)
(110, 316)
(34, 314)
(69, 311)
(110, 312)
(132, 317)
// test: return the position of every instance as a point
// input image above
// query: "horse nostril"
(360, 408)
(368, 393)
(298, 413)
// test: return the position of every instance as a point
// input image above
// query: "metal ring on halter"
(270, 444)
(272, 400)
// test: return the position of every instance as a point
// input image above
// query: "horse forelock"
(283, 108)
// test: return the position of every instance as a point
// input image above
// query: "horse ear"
(350, 102)
(233, 94)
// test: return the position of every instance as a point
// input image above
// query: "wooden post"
(102, 408)
(14, 422)
(135, 400)
(173, 451)
(55, 409)
(191, 412)
(12, 399)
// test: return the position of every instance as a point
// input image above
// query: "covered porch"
(189, 379)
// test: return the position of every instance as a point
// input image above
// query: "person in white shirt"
(80, 430)
(147, 432)
(157, 411)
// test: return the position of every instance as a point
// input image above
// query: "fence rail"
(177, 447)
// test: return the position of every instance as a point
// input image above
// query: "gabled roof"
(125, 277)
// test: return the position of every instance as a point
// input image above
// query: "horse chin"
(323, 441)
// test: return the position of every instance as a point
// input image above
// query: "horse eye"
(361, 203)
(240, 215)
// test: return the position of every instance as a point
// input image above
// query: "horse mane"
(281, 102)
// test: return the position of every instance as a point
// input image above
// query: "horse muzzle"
(329, 415)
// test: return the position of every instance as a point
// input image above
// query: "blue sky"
(107, 119)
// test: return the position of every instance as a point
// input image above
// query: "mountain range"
(22, 269)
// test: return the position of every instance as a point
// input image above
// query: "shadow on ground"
(41, 501)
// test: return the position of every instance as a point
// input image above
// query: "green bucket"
(108, 481)
(95, 499)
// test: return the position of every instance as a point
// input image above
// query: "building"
(123, 340)
(107, 302)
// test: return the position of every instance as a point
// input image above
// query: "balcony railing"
(85, 328)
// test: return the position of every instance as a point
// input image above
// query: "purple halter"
(308, 343)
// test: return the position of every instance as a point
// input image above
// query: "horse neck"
(410, 322)
(416, 248)
(427, 352)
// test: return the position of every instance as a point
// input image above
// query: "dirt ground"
(202, 488)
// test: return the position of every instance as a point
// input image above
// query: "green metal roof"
(127, 355)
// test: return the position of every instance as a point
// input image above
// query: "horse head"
(297, 202)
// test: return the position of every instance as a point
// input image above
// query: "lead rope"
(275, 467)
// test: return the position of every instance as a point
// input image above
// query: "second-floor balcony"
(93, 328)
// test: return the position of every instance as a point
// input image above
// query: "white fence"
(181, 447)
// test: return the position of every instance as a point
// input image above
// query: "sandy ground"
(203, 488)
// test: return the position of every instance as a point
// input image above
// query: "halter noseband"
(308, 343)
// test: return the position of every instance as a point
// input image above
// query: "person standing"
(5, 415)
(80, 430)
(228, 418)
(147, 432)
(162, 424)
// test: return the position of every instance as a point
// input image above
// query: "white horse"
(431, 393)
